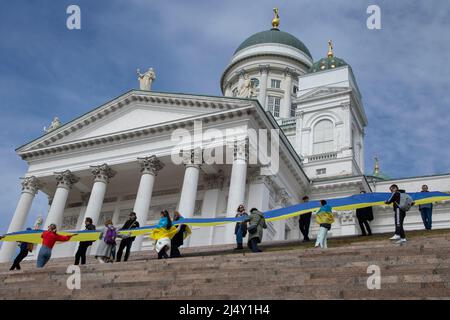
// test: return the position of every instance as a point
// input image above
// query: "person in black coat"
(178, 239)
(131, 223)
(304, 222)
(365, 215)
(25, 247)
(84, 245)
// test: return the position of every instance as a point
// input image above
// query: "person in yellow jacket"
(325, 218)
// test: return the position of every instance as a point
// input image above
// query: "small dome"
(274, 36)
(327, 64)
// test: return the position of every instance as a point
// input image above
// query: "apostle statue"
(146, 79)
(247, 88)
(38, 223)
(56, 123)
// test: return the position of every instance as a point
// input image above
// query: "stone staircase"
(285, 270)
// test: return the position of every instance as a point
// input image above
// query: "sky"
(47, 70)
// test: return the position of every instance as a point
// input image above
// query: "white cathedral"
(117, 158)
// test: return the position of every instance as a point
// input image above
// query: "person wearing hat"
(304, 222)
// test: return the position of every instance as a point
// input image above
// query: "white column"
(64, 182)
(192, 160)
(30, 187)
(149, 169)
(263, 85)
(236, 193)
(210, 205)
(102, 174)
(286, 111)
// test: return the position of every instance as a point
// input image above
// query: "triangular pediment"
(135, 116)
(133, 111)
(322, 92)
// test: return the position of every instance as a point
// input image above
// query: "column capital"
(264, 68)
(192, 157)
(65, 179)
(151, 165)
(240, 73)
(241, 149)
(283, 198)
(289, 72)
(30, 185)
(103, 173)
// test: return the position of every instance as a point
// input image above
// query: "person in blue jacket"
(163, 245)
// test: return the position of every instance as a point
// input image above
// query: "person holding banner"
(84, 245)
(364, 215)
(163, 229)
(325, 218)
(304, 222)
(25, 247)
(178, 239)
(399, 214)
(256, 224)
(49, 239)
(240, 230)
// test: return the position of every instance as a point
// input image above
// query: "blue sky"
(47, 70)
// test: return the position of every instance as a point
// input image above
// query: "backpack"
(405, 202)
(110, 236)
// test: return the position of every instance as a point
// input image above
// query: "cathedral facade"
(119, 157)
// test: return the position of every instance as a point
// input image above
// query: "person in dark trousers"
(25, 248)
(178, 239)
(240, 230)
(131, 223)
(84, 245)
(426, 210)
(256, 224)
(399, 214)
(304, 222)
(365, 215)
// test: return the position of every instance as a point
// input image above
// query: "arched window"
(323, 137)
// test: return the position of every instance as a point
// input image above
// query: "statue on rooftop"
(56, 123)
(247, 89)
(146, 79)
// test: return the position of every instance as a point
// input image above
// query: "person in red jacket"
(49, 239)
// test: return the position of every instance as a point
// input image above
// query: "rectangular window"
(293, 109)
(275, 83)
(273, 105)
(321, 171)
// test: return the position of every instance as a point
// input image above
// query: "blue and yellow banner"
(339, 204)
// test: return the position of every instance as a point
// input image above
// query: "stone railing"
(322, 157)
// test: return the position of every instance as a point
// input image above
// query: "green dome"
(327, 64)
(274, 36)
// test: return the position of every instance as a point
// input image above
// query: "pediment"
(133, 117)
(133, 111)
(322, 92)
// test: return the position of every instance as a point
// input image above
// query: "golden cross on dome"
(376, 169)
(276, 19)
(330, 49)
